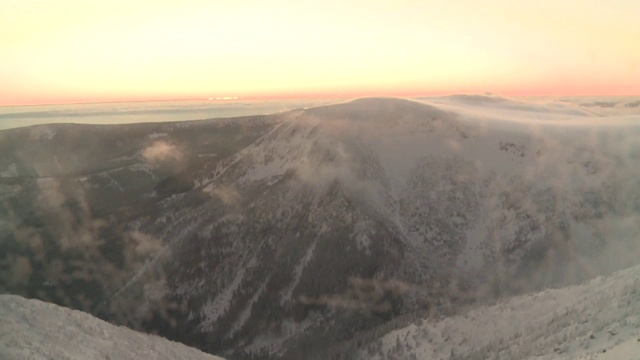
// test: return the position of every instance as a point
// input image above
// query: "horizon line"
(305, 96)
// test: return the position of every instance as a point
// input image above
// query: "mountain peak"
(373, 108)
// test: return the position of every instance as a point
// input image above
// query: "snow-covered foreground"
(32, 329)
(599, 319)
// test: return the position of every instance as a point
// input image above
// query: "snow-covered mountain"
(281, 235)
(32, 329)
(599, 319)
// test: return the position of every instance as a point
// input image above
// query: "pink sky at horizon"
(92, 51)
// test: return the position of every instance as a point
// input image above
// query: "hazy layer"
(542, 110)
(142, 112)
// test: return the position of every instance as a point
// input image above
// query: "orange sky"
(90, 50)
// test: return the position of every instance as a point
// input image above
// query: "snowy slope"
(31, 329)
(597, 319)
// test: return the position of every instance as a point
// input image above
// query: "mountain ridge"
(279, 235)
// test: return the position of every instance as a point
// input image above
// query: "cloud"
(366, 294)
(328, 163)
(227, 194)
(161, 151)
(144, 244)
(50, 195)
(18, 271)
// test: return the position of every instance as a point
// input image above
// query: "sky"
(69, 51)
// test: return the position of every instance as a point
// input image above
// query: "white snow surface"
(32, 329)
(599, 319)
(215, 308)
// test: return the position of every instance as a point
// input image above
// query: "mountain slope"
(596, 319)
(279, 236)
(32, 329)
